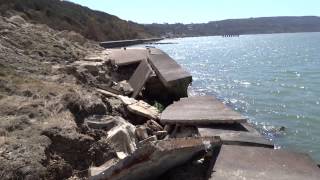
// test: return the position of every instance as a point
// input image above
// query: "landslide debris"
(53, 125)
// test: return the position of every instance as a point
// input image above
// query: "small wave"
(245, 83)
(242, 82)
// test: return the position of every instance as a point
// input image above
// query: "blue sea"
(273, 79)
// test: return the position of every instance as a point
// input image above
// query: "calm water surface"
(274, 80)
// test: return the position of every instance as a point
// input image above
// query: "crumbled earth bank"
(53, 123)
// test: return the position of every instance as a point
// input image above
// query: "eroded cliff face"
(44, 108)
(31, 96)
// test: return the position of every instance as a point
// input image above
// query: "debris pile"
(66, 114)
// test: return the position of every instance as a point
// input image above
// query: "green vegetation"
(264, 25)
(159, 106)
(63, 15)
(100, 26)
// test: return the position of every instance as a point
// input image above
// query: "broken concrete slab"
(170, 73)
(161, 134)
(106, 93)
(141, 133)
(153, 125)
(93, 171)
(144, 109)
(124, 87)
(127, 56)
(166, 68)
(100, 125)
(105, 122)
(127, 100)
(122, 137)
(235, 137)
(140, 77)
(140, 108)
(200, 110)
(154, 158)
(149, 139)
(121, 155)
(251, 163)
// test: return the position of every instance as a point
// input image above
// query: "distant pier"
(124, 43)
(231, 35)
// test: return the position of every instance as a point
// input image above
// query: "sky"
(200, 11)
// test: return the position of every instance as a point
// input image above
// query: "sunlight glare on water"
(272, 79)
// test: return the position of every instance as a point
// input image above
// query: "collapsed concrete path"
(169, 78)
(244, 153)
(199, 128)
(251, 163)
(200, 110)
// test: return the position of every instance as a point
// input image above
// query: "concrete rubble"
(196, 128)
(143, 109)
(154, 158)
(146, 144)
(122, 137)
(80, 111)
(140, 108)
(141, 132)
(241, 162)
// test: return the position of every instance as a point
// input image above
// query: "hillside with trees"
(64, 15)
(264, 25)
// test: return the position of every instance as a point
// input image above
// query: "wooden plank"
(252, 163)
(140, 77)
(245, 137)
(167, 69)
(200, 110)
(122, 57)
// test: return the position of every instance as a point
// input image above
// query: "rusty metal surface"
(140, 77)
(121, 57)
(252, 163)
(200, 110)
(168, 70)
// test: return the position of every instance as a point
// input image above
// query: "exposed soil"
(42, 108)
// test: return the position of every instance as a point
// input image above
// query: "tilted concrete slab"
(154, 158)
(252, 163)
(245, 137)
(140, 77)
(169, 71)
(200, 110)
(144, 109)
(127, 56)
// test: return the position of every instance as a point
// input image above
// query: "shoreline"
(230, 135)
(73, 110)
